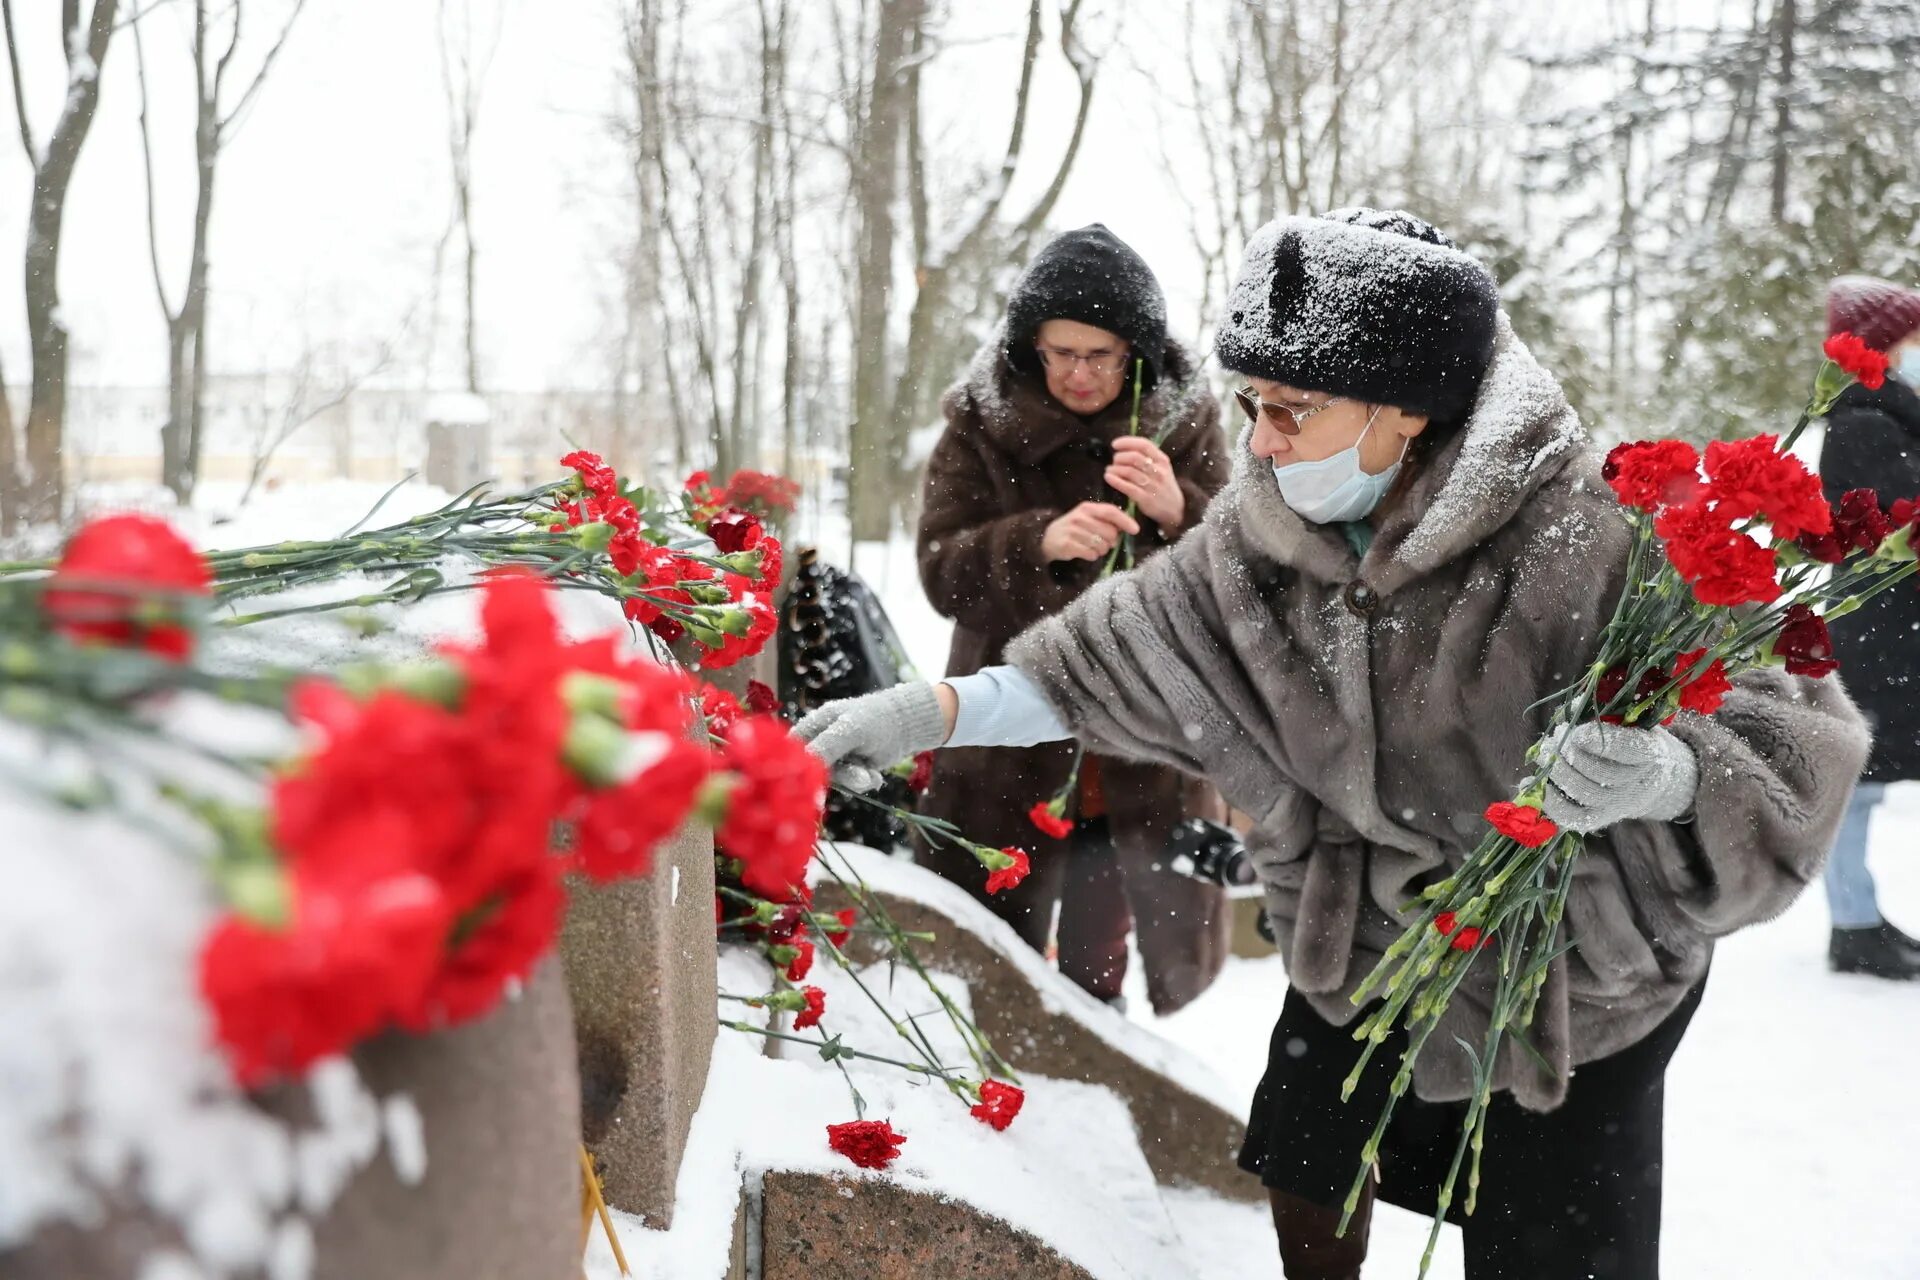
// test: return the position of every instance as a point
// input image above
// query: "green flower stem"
(984, 1055)
(839, 1050)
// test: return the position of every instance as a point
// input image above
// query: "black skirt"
(1581, 1181)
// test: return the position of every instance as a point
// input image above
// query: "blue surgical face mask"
(1336, 489)
(1908, 370)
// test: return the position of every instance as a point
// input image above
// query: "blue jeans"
(1850, 896)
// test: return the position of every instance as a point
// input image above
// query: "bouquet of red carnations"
(1737, 562)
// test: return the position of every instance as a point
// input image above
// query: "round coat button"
(1362, 599)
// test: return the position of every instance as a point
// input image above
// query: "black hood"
(1092, 276)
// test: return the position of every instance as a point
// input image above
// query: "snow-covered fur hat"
(1093, 276)
(1880, 312)
(1376, 305)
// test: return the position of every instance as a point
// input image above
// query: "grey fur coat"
(1366, 711)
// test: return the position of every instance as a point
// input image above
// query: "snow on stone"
(112, 1082)
(1068, 1170)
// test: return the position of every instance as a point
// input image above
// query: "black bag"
(835, 642)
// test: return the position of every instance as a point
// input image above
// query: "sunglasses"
(1282, 419)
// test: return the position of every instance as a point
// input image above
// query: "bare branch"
(266, 65)
(1085, 66)
(146, 155)
(233, 45)
(19, 89)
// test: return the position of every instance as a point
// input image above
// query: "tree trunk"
(45, 489)
(9, 464)
(876, 184)
(1786, 25)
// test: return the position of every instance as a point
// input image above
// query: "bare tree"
(876, 187)
(981, 241)
(467, 43)
(216, 117)
(321, 380)
(40, 493)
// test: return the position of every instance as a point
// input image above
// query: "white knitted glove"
(1612, 773)
(860, 738)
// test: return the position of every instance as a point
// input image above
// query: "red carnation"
(1863, 363)
(1010, 876)
(1805, 644)
(735, 530)
(816, 1005)
(1615, 681)
(121, 581)
(1859, 522)
(761, 699)
(500, 941)
(788, 923)
(616, 829)
(1050, 823)
(1521, 823)
(1722, 566)
(1467, 939)
(353, 955)
(595, 475)
(802, 962)
(1704, 693)
(999, 1103)
(1650, 474)
(846, 916)
(1446, 922)
(721, 710)
(1858, 525)
(871, 1144)
(774, 814)
(1904, 513)
(1752, 477)
(772, 563)
(922, 776)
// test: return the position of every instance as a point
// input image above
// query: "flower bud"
(584, 691)
(597, 750)
(733, 622)
(596, 535)
(1827, 386)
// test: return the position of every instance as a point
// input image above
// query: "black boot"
(1880, 951)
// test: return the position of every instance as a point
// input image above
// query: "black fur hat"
(1376, 305)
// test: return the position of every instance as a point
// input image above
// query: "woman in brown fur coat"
(1025, 500)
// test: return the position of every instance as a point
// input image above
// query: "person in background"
(1873, 442)
(1025, 500)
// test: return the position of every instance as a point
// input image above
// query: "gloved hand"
(860, 738)
(1614, 773)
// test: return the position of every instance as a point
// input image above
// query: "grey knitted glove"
(859, 738)
(1613, 773)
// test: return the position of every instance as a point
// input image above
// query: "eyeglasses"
(1283, 419)
(1102, 362)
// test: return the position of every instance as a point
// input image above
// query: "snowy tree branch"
(19, 89)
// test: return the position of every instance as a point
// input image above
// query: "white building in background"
(374, 433)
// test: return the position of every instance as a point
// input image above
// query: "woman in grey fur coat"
(1415, 548)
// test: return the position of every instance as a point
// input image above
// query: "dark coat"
(1873, 442)
(1012, 459)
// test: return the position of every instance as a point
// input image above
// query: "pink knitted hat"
(1880, 312)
